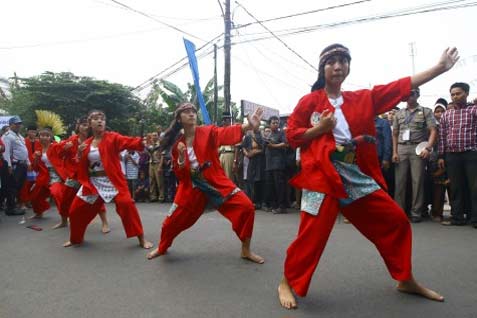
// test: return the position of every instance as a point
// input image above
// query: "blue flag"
(190, 48)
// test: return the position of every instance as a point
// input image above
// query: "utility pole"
(413, 54)
(227, 45)
(216, 89)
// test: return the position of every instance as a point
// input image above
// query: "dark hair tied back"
(330, 50)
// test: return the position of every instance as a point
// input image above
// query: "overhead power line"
(278, 38)
(307, 29)
(177, 64)
(67, 42)
(221, 8)
(302, 13)
(169, 71)
(372, 18)
(156, 19)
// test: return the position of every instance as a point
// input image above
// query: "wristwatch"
(428, 149)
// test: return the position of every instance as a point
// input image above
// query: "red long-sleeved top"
(206, 144)
(359, 108)
(110, 146)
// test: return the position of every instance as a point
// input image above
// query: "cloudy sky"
(102, 39)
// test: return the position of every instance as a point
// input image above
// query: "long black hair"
(171, 135)
(324, 55)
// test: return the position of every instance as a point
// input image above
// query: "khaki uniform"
(156, 176)
(227, 157)
(412, 127)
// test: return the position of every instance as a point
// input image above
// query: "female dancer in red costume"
(99, 173)
(340, 172)
(32, 144)
(48, 182)
(202, 180)
(64, 158)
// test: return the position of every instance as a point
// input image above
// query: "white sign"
(4, 120)
(249, 108)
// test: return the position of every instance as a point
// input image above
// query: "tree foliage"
(73, 96)
(165, 96)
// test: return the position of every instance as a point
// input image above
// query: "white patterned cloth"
(103, 185)
(356, 184)
(54, 177)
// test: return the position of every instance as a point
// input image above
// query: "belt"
(72, 183)
(343, 154)
(409, 143)
(100, 173)
(196, 173)
(227, 151)
(19, 162)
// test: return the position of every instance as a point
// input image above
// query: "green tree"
(73, 96)
(165, 96)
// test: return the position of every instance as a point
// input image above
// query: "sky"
(101, 39)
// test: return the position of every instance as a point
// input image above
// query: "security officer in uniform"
(156, 175)
(16, 156)
(411, 126)
(228, 155)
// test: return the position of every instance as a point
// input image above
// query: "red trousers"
(82, 213)
(40, 195)
(24, 195)
(238, 209)
(376, 216)
(69, 194)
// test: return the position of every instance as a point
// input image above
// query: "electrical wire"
(75, 41)
(156, 19)
(307, 29)
(302, 13)
(169, 71)
(148, 82)
(278, 38)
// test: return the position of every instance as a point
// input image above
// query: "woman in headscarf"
(202, 180)
(340, 172)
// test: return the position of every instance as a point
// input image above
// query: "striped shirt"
(131, 165)
(458, 130)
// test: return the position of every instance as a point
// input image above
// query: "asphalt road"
(203, 275)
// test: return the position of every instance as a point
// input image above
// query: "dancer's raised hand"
(253, 120)
(449, 57)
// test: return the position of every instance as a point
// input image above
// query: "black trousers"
(254, 191)
(276, 189)
(4, 183)
(462, 172)
(15, 182)
(170, 185)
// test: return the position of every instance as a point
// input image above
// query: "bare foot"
(412, 287)
(146, 244)
(68, 244)
(105, 229)
(35, 216)
(285, 295)
(59, 225)
(250, 256)
(154, 253)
